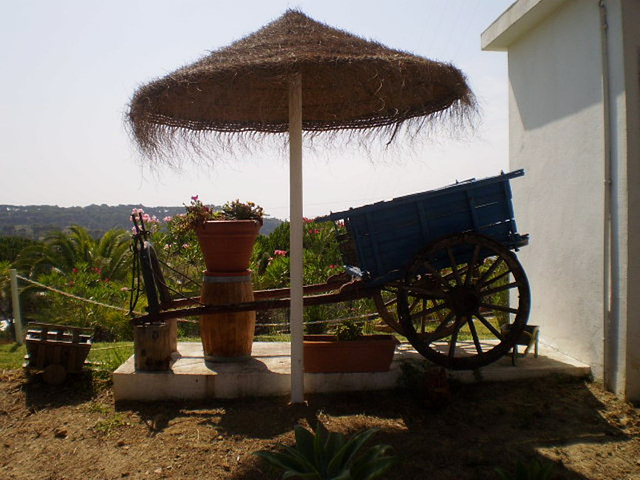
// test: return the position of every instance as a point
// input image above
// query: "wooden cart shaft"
(264, 300)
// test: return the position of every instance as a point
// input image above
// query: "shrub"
(86, 282)
(325, 455)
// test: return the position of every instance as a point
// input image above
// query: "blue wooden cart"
(439, 265)
(444, 264)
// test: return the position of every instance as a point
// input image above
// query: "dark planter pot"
(327, 354)
(227, 244)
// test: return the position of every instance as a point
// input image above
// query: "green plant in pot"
(226, 236)
(348, 330)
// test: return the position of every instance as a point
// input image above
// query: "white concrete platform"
(267, 373)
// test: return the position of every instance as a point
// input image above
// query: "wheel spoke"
(495, 279)
(461, 271)
(428, 311)
(473, 265)
(454, 265)
(487, 324)
(392, 299)
(415, 302)
(436, 274)
(500, 308)
(391, 302)
(423, 292)
(439, 332)
(491, 269)
(454, 337)
(501, 288)
(474, 334)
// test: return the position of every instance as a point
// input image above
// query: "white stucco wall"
(575, 128)
(556, 125)
(628, 96)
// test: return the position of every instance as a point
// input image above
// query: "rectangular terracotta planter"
(326, 354)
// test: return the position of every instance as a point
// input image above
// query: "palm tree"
(114, 254)
(64, 251)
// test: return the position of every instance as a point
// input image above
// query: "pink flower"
(166, 219)
(194, 198)
(74, 270)
(332, 266)
(314, 231)
(307, 220)
(280, 253)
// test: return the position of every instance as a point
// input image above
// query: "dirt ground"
(75, 431)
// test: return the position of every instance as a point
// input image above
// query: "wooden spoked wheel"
(386, 301)
(456, 296)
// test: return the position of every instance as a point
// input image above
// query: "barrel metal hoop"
(226, 278)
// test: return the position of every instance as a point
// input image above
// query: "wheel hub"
(464, 300)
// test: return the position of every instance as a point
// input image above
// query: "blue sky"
(71, 66)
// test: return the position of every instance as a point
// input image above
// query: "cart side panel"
(387, 235)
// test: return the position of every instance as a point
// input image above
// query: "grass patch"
(108, 356)
(274, 337)
(109, 425)
(12, 356)
(103, 356)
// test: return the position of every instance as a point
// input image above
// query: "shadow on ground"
(75, 390)
(464, 433)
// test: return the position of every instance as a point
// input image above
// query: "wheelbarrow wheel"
(455, 297)
(54, 374)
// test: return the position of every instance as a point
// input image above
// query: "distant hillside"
(36, 221)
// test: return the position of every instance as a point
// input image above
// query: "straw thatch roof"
(348, 83)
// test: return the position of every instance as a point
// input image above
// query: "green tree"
(10, 247)
(322, 259)
(64, 251)
(76, 263)
(5, 289)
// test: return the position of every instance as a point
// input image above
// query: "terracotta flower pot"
(327, 354)
(227, 244)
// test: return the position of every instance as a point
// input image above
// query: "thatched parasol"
(295, 74)
(348, 83)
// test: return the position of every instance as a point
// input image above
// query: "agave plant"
(528, 471)
(325, 455)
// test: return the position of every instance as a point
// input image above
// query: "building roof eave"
(514, 22)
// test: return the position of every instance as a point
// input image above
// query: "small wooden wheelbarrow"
(56, 350)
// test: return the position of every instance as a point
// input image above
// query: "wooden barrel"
(227, 336)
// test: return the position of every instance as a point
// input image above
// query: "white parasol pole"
(295, 238)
